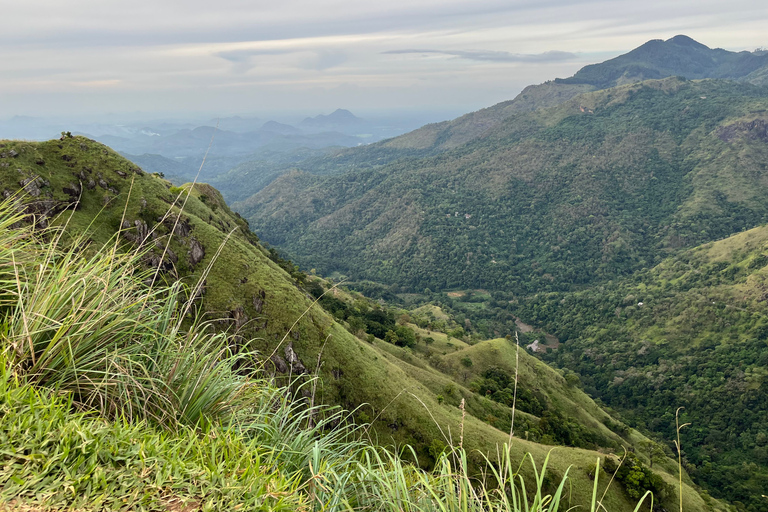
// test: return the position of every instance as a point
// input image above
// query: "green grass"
(57, 459)
(137, 445)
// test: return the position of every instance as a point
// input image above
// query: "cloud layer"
(91, 56)
(496, 56)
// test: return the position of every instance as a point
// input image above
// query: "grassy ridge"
(262, 453)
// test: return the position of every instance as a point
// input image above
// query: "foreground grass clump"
(55, 458)
(85, 323)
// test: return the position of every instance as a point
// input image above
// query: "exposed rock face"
(752, 130)
(280, 364)
(140, 235)
(181, 228)
(196, 252)
(293, 360)
(33, 184)
(258, 301)
(102, 183)
(42, 209)
(73, 190)
(239, 316)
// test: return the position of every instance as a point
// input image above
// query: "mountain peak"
(677, 56)
(338, 120)
(341, 113)
(683, 40)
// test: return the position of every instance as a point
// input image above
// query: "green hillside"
(259, 300)
(690, 332)
(595, 188)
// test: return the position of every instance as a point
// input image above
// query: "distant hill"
(340, 120)
(282, 128)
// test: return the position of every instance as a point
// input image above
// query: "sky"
(226, 57)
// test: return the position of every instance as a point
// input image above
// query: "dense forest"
(593, 189)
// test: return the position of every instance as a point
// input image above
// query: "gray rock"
(73, 190)
(279, 363)
(196, 252)
(33, 184)
(239, 316)
(258, 301)
(293, 360)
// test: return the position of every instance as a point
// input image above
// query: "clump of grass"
(58, 459)
(87, 325)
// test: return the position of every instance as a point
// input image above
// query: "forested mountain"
(690, 332)
(679, 56)
(597, 187)
(408, 379)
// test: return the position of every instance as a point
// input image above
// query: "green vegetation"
(558, 214)
(90, 421)
(596, 188)
(690, 332)
(135, 366)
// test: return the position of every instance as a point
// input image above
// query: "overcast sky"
(91, 57)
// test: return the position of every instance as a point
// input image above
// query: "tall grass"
(84, 323)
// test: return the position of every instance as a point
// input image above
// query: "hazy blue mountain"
(340, 120)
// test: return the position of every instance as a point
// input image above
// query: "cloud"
(314, 60)
(251, 54)
(246, 56)
(496, 56)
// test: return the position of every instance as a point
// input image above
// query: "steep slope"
(597, 187)
(88, 188)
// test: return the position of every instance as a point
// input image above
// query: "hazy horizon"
(87, 58)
